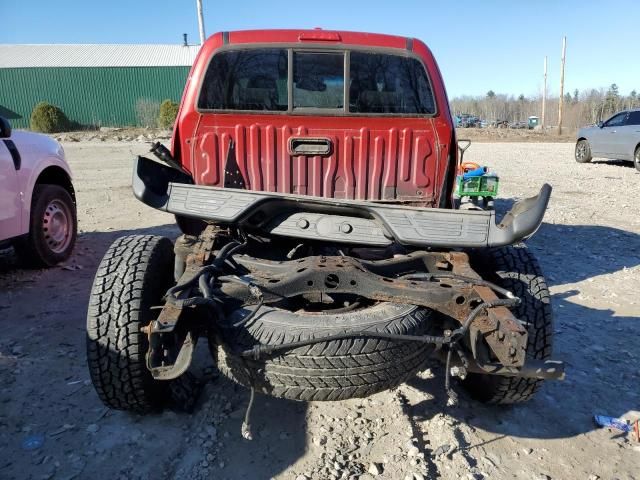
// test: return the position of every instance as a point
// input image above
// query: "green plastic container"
(483, 186)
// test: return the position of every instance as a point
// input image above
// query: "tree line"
(580, 108)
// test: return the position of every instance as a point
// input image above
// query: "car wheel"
(53, 227)
(636, 159)
(583, 151)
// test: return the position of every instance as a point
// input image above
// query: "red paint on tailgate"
(374, 162)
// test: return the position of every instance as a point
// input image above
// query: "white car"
(37, 200)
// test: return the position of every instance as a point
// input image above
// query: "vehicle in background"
(37, 200)
(519, 125)
(617, 138)
(533, 122)
(499, 124)
(466, 120)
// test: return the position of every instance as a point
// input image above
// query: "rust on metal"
(171, 346)
(504, 334)
(167, 319)
(347, 275)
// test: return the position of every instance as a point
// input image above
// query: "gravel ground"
(588, 247)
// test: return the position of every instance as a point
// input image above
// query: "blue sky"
(480, 45)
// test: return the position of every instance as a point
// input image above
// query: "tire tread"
(518, 270)
(335, 370)
(131, 276)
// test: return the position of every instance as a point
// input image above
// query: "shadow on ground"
(616, 163)
(90, 246)
(279, 434)
(569, 254)
(573, 253)
(598, 382)
(43, 313)
(600, 372)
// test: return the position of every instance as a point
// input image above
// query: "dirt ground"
(52, 424)
(517, 135)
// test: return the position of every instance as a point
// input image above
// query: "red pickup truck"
(312, 173)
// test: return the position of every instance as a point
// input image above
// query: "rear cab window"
(337, 82)
(246, 80)
(388, 84)
(318, 80)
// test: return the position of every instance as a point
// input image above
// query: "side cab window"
(617, 120)
(634, 118)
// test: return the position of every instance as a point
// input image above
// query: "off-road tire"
(334, 370)
(583, 151)
(133, 276)
(516, 269)
(37, 249)
(636, 158)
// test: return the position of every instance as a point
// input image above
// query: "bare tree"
(581, 108)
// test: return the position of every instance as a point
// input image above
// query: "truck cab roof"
(317, 35)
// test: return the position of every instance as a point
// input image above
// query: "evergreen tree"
(612, 100)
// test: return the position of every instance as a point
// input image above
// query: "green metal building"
(94, 85)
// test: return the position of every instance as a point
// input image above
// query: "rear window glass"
(246, 80)
(388, 84)
(318, 80)
(258, 79)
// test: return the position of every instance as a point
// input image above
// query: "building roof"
(98, 55)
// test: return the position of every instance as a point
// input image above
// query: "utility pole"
(544, 92)
(560, 102)
(200, 21)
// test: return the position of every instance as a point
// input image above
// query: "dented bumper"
(336, 220)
